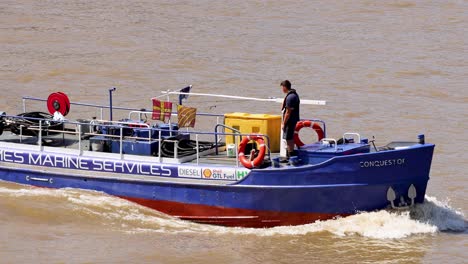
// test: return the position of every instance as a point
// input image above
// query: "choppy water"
(389, 69)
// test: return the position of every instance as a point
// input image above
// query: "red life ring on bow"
(258, 160)
(307, 123)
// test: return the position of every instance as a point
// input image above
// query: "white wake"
(428, 218)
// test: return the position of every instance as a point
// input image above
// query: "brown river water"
(389, 69)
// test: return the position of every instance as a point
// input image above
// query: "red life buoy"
(307, 123)
(258, 160)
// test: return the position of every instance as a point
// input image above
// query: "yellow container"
(265, 124)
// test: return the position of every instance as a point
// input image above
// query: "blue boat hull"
(340, 186)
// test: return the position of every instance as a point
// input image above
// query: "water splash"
(440, 214)
(429, 218)
(379, 225)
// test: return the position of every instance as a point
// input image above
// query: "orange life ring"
(252, 162)
(307, 123)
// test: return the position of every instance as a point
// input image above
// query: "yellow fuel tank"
(255, 123)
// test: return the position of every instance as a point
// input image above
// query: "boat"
(232, 174)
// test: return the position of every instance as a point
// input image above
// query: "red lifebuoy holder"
(307, 123)
(58, 102)
(252, 162)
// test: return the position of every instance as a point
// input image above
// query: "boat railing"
(173, 114)
(96, 127)
(132, 111)
(238, 138)
(353, 134)
(100, 107)
(236, 131)
(324, 126)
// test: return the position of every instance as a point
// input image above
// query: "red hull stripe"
(216, 215)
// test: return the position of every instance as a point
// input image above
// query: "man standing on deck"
(290, 111)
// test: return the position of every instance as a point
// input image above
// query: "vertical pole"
(121, 142)
(220, 137)
(170, 116)
(216, 140)
(236, 142)
(159, 146)
(198, 150)
(39, 142)
(79, 140)
(110, 101)
(167, 95)
(110, 104)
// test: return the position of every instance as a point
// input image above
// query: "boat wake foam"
(429, 218)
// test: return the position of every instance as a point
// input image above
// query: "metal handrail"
(118, 124)
(224, 126)
(121, 137)
(239, 134)
(351, 134)
(140, 112)
(319, 121)
(101, 107)
(327, 141)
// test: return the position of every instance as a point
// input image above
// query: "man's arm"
(287, 114)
